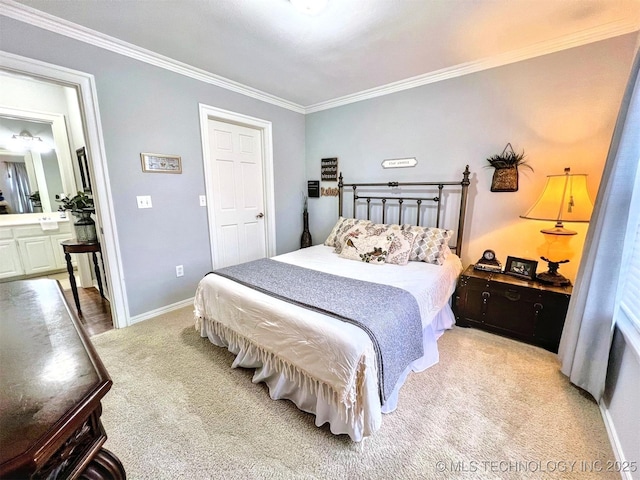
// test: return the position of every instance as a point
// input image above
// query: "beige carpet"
(492, 408)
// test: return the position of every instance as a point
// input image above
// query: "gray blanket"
(389, 315)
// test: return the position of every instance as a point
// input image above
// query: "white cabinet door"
(58, 253)
(10, 265)
(37, 255)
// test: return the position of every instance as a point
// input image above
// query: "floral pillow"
(350, 229)
(329, 242)
(402, 244)
(429, 244)
(341, 226)
(401, 247)
(372, 249)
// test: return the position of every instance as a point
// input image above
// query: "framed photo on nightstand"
(521, 267)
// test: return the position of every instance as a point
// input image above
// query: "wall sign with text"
(330, 191)
(329, 169)
(399, 163)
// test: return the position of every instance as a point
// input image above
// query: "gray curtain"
(586, 340)
(18, 181)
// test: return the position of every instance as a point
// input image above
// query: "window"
(629, 282)
(630, 295)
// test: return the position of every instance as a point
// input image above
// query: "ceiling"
(352, 46)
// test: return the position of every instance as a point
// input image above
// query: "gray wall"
(147, 109)
(560, 109)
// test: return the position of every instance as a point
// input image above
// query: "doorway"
(84, 87)
(238, 165)
(48, 169)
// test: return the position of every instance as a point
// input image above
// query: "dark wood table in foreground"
(51, 384)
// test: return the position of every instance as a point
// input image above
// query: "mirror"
(32, 172)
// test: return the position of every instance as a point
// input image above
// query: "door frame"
(62, 142)
(85, 86)
(207, 112)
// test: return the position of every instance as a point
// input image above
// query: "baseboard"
(161, 310)
(613, 439)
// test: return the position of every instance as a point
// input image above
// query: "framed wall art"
(329, 169)
(83, 167)
(159, 163)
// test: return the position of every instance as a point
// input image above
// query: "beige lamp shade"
(564, 199)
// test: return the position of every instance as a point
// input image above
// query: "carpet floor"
(491, 408)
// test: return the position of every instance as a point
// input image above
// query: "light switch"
(144, 201)
(203, 200)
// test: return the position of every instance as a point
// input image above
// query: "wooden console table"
(523, 309)
(51, 385)
(74, 246)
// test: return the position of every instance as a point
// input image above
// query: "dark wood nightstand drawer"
(506, 305)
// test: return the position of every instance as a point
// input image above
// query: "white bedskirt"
(307, 396)
(324, 365)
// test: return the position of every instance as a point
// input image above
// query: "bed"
(303, 320)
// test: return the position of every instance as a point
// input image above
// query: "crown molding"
(578, 39)
(43, 20)
(60, 26)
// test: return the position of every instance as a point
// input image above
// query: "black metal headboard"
(415, 201)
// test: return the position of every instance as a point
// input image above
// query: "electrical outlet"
(179, 270)
(144, 201)
(203, 200)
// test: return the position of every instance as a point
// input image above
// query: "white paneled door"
(237, 209)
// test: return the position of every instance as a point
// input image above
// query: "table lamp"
(564, 199)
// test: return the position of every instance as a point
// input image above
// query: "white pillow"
(367, 248)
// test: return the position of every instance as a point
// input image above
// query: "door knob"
(260, 215)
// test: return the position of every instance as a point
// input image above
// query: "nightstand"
(518, 308)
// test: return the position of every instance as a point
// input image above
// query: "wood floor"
(95, 313)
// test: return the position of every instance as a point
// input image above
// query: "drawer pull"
(538, 307)
(512, 295)
(485, 302)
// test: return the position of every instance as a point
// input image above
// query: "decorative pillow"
(349, 228)
(366, 228)
(367, 248)
(330, 241)
(381, 228)
(429, 245)
(401, 246)
(341, 226)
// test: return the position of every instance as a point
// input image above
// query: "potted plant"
(81, 206)
(80, 202)
(505, 176)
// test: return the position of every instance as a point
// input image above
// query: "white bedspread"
(326, 366)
